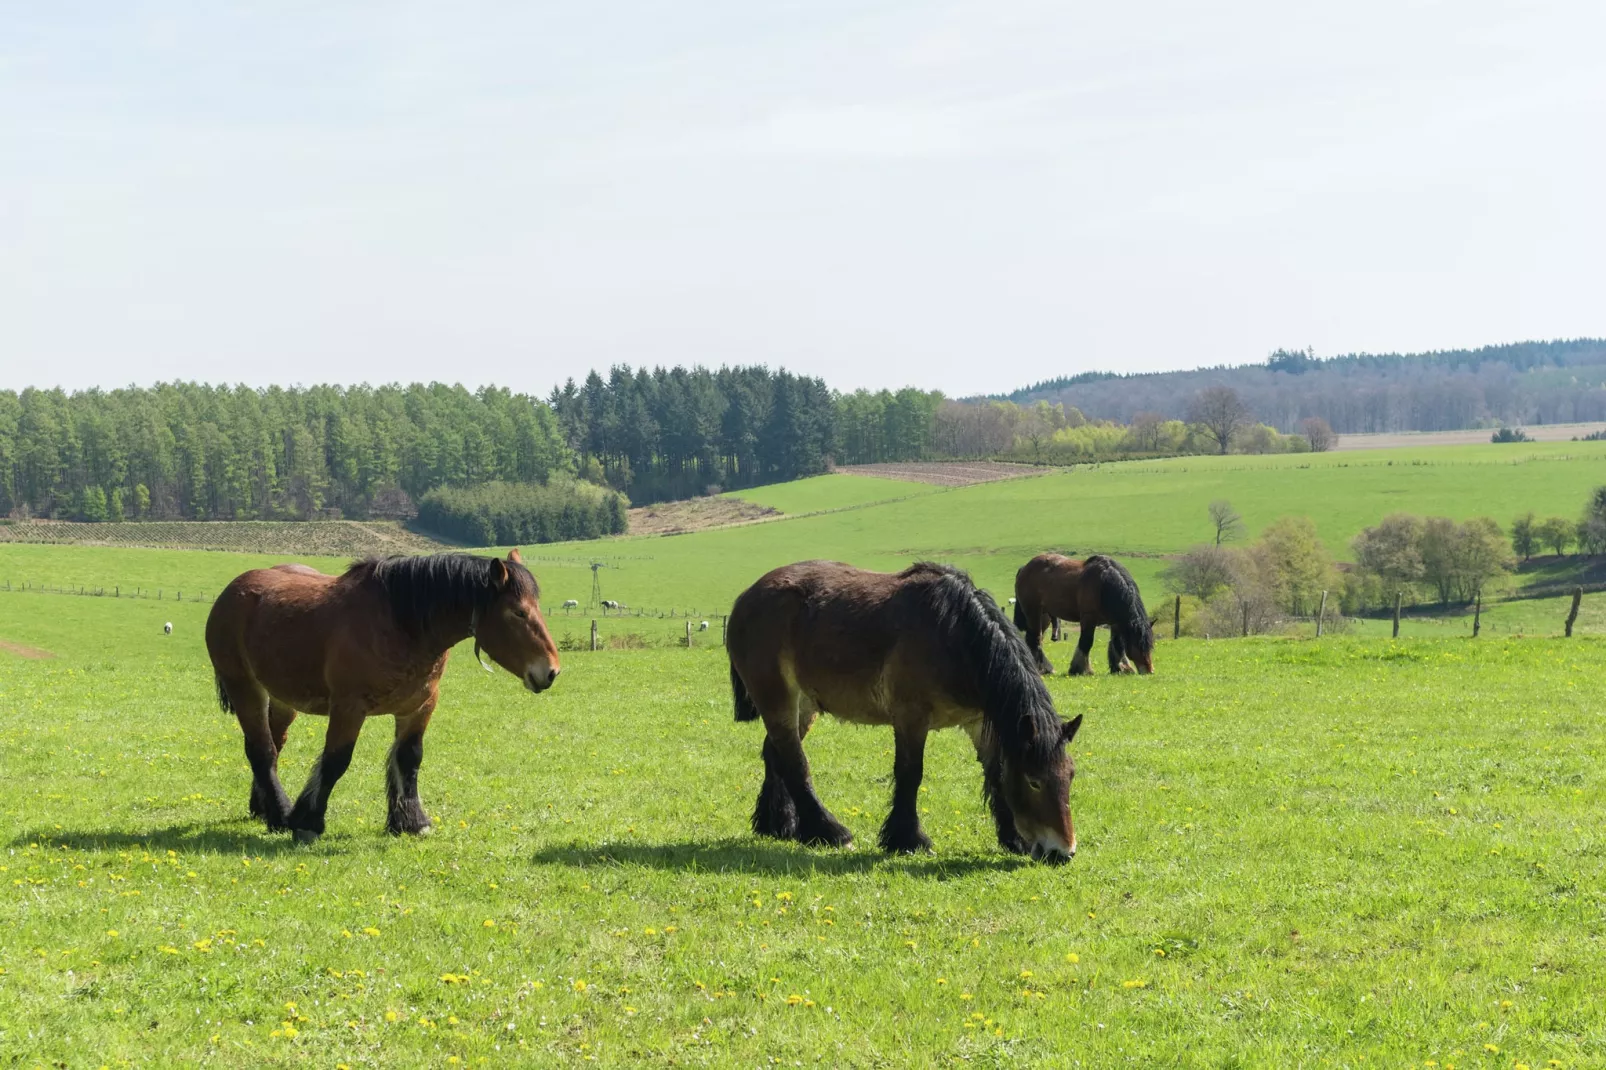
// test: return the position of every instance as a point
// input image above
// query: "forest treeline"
(193, 451)
(1524, 383)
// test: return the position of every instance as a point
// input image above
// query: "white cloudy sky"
(962, 195)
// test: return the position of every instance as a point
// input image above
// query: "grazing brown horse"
(919, 650)
(371, 642)
(1092, 592)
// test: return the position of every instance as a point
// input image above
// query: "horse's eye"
(1034, 783)
(520, 613)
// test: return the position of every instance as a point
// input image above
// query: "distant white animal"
(608, 603)
(1011, 601)
(703, 627)
(573, 603)
(167, 629)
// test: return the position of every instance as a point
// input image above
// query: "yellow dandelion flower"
(390, 1016)
(1135, 984)
(488, 923)
(964, 995)
(1073, 958)
(1492, 1049)
(649, 932)
(1025, 974)
(579, 986)
(942, 980)
(793, 1000)
(451, 1019)
(370, 931)
(910, 944)
(111, 932)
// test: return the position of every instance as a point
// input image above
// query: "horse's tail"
(745, 710)
(223, 695)
(1020, 616)
(1123, 606)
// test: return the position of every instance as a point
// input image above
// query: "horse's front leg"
(306, 820)
(902, 833)
(992, 790)
(406, 810)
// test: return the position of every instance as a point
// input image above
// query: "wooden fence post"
(1477, 614)
(1572, 614)
(593, 635)
(688, 633)
(1176, 620)
(1397, 596)
(1321, 614)
(1246, 620)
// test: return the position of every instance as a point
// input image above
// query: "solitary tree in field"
(1592, 528)
(1201, 572)
(1556, 532)
(1228, 524)
(1523, 539)
(1319, 433)
(1221, 412)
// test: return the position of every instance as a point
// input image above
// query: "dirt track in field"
(1541, 433)
(695, 514)
(33, 653)
(946, 473)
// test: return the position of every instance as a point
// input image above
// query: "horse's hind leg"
(250, 705)
(280, 718)
(902, 832)
(406, 810)
(775, 814)
(1084, 651)
(787, 715)
(1034, 639)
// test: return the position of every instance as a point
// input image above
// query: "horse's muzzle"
(538, 678)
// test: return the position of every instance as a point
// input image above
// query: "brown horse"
(371, 642)
(1052, 587)
(919, 650)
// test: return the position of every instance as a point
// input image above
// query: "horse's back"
(285, 603)
(1051, 583)
(840, 634)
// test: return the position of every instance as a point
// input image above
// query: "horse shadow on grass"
(224, 837)
(743, 855)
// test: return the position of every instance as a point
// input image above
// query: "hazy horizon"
(969, 197)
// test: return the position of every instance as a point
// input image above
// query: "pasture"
(1353, 851)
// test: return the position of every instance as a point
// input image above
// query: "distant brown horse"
(371, 642)
(919, 650)
(1052, 587)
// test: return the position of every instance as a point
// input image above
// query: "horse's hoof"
(427, 830)
(306, 836)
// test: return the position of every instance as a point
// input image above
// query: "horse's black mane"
(1121, 602)
(1016, 707)
(422, 587)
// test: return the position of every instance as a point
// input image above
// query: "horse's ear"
(1069, 730)
(513, 556)
(500, 576)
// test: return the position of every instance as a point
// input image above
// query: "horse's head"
(511, 628)
(1142, 660)
(1037, 787)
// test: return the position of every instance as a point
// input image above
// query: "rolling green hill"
(1138, 511)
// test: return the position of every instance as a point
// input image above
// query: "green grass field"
(1352, 852)
(1139, 511)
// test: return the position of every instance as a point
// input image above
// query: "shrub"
(1510, 434)
(502, 514)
